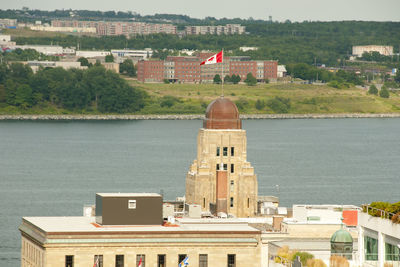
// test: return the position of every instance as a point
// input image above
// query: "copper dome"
(222, 113)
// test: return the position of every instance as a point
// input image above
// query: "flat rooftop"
(87, 224)
(128, 194)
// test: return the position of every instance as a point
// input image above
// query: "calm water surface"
(54, 168)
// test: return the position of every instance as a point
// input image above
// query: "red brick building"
(188, 69)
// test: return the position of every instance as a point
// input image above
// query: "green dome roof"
(341, 236)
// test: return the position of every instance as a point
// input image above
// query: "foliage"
(242, 104)
(315, 263)
(279, 104)
(338, 261)
(227, 79)
(26, 55)
(127, 68)
(384, 92)
(397, 77)
(166, 81)
(285, 255)
(250, 80)
(84, 62)
(373, 90)
(375, 56)
(169, 101)
(109, 58)
(235, 79)
(304, 257)
(260, 104)
(217, 79)
(396, 218)
(74, 89)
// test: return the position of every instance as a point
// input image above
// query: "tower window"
(232, 168)
(231, 260)
(231, 202)
(69, 261)
(248, 203)
(204, 202)
(225, 166)
(218, 151)
(232, 151)
(225, 151)
(232, 185)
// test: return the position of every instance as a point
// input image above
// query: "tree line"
(93, 89)
(306, 42)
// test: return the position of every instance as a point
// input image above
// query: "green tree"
(169, 101)
(397, 77)
(23, 96)
(227, 79)
(384, 92)
(250, 80)
(3, 94)
(260, 104)
(279, 104)
(217, 79)
(84, 62)
(109, 58)
(127, 68)
(235, 79)
(373, 90)
(304, 256)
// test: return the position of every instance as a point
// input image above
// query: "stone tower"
(221, 179)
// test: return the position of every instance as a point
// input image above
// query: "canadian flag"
(217, 58)
(140, 262)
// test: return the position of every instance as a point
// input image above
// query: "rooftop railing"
(375, 212)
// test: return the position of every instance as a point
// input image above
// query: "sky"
(280, 10)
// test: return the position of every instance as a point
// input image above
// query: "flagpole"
(222, 72)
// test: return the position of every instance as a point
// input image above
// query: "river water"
(54, 168)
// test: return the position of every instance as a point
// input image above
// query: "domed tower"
(342, 244)
(220, 178)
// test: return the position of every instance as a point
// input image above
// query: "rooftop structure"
(207, 29)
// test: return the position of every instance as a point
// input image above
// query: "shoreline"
(192, 117)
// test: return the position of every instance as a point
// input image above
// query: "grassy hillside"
(194, 98)
(304, 98)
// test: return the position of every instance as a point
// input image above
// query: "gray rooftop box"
(129, 209)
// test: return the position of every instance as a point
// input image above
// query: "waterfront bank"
(193, 117)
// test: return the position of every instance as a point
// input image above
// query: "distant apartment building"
(117, 27)
(188, 69)
(228, 29)
(63, 29)
(8, 23)
(385, 50)
(36, 65)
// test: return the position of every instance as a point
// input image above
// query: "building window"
(218, 151)
(232, 185)
(232, 168)
(225, 151)
(204, 202)
(248, 203)
(392, 252)
(181, 258)
(203, 260)
(98, 261)
(231, 202)
(231, 260)
(232, 151)
(161, 260)
(217, 167)
(119, 260)
(131, 204)
(371, 248)
(225, 166)
(69, 261)
(141, 260)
